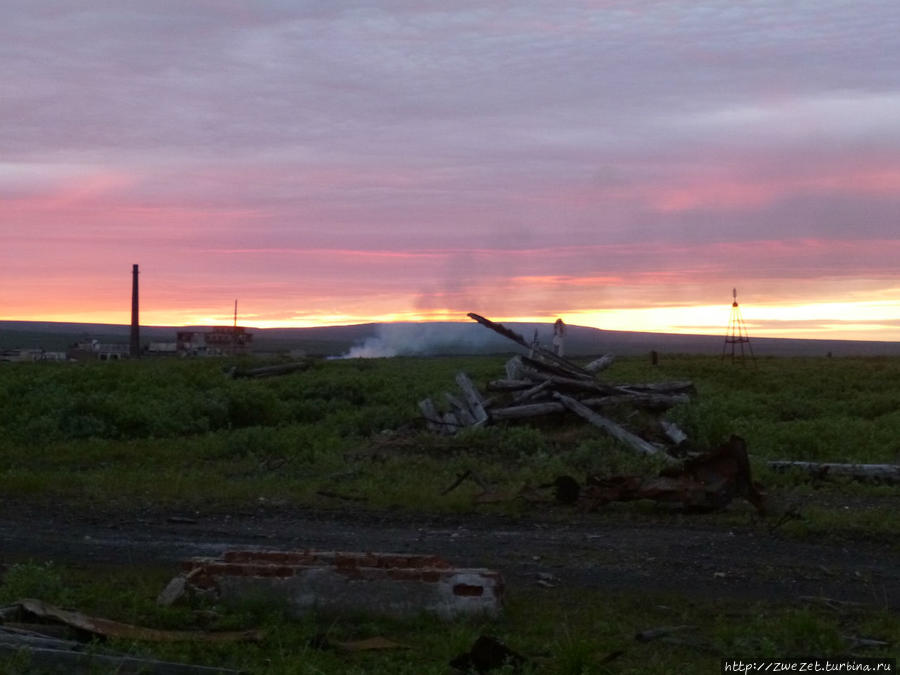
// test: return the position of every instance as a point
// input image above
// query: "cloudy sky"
(618, 164)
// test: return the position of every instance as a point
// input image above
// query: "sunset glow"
(373, 162)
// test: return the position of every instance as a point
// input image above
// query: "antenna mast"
(736, 334)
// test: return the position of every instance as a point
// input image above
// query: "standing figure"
(559, 337)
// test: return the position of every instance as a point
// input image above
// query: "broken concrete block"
(378, 583)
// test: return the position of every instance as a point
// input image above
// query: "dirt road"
(665, 555)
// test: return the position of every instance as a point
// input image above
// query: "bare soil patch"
(617, 551)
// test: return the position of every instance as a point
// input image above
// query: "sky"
(622, 165)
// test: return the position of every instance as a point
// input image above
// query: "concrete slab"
(332, 581)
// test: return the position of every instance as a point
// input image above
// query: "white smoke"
(424, 339)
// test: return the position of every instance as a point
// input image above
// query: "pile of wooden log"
(544, 383)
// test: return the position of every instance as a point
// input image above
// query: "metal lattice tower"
(736, 333)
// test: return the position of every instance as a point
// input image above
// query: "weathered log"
(509, 385)
(888, 473)
(452, 423)
(673, 432)
(514, 369)
(47, 659)
(615, 430)
(569, 382)
(531, 365)
(659, 387)
(602, 363)
(524, 411)
(463, 416)
(643, 400)
(269, 371)
(531, 393)
(433, 419)
(473, 398)
(537, 351)
(654, 401)
(500, 329)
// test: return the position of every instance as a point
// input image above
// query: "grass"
(560, 632)
(179, 434)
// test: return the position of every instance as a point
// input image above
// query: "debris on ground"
(544, 383)
(378, 643)
(705, 482)
(50, 654)
(876, 473)
(268, 371)
(30, 610)
(380, 583)
(487, 654)
(663, 631)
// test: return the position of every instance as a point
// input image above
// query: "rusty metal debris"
(705, 482)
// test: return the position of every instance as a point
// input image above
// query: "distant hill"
(389, 339)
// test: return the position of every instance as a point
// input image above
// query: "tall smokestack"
(135, 322)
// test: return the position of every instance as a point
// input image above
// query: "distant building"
(94, 349)
(22, 355)
(163, 349)
(220, 341)
(30, 355)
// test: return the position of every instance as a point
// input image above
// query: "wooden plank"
(514, 369)
(517, 412)
(540, 352)
(452, 423)
(569, 382)
(473, 399)
(462, 411)
(602, 363)
(46, 659)
(433, 419)
(616, 431)
(559, 370)
(548, 408)
(509, 385)
(532, 392)
(674, 433)
(685, 386)
(645, 400)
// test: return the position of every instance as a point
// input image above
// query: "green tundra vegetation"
(181, 434)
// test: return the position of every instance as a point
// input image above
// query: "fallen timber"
(540, 352)
(885, 473)
(615, 430)
(537, 386)
(544, 383)
(650, 401)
